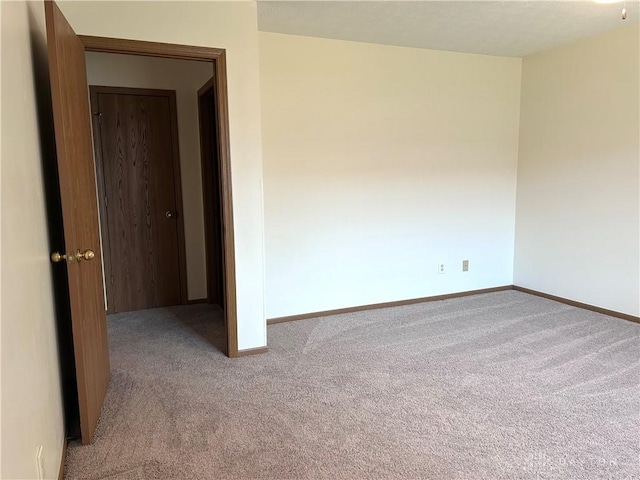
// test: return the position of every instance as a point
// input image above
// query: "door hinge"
(106, 201)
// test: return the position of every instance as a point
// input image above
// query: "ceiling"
(507, 28)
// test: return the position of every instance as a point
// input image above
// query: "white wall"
(578, 174)
(31, 390)
(233, 26)
(379, 162)
(185, 77)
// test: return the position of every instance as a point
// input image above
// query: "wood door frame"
(94, 91)
(217, 57)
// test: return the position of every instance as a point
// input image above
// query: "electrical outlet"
(465, 265)
(440, 267)
(40, 462)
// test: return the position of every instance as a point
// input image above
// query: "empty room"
(320, 239)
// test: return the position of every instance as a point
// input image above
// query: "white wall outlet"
(40, 462)
(465, 265)
(440, 267)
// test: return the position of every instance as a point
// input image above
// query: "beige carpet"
(495, 386)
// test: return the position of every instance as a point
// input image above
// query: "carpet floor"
(496, 386)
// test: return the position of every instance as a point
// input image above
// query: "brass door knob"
(73, 257)
(86, 255)
(57, 257)
(69, 257)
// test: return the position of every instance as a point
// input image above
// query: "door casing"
(217, 58)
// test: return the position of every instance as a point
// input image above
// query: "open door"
(70, 101)
(211, 194)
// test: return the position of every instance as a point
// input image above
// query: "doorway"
(216, 135)
(135, 134)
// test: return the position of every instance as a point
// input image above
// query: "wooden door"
(136, 146)
(211, 194)
(70, 102)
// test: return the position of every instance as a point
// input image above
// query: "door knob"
(73, 257)
(86, 255)
(58, 257)
(170, 214)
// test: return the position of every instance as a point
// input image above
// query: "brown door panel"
(80, 215)
(143, 216)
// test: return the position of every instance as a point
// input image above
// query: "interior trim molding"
(63, 460)
(573, 303)
(399, 303)
(150, 49)
(252, 351)
(196, 301)
(338, 311)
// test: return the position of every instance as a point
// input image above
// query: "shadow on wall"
(55, 229)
